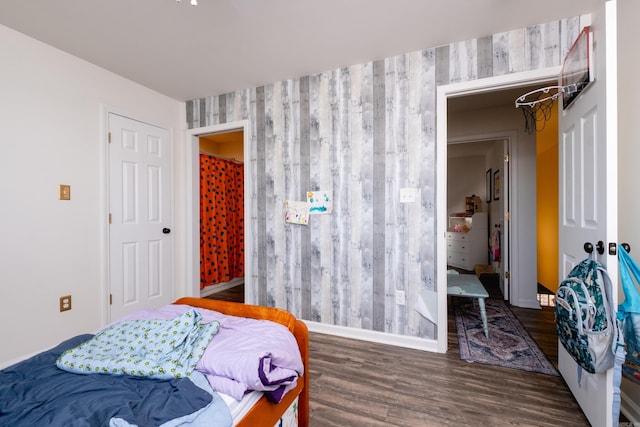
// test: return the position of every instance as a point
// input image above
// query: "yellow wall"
(229, 145)
(547, 201)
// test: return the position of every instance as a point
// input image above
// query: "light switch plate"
(64, 192)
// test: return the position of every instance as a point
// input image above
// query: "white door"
(588, 194)
(140, 242)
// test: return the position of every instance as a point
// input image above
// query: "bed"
(169, 402)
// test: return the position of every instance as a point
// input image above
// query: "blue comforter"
(36, 392)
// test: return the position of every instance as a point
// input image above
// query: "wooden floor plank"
(360, 383)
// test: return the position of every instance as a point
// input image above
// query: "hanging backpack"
(629, 314)
(584, 319)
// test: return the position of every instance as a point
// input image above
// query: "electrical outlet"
(408, 195)
(400, 297)
(65, 303)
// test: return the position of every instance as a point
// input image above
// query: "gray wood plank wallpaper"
(362, 132)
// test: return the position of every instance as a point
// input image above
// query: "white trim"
(629, 408)
(443, 93)
(192, 169)
(483, 137)
(5, 364)
(507, 81)
(220, 287)
(373, 336)
(104, 212)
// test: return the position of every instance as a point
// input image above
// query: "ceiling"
(220, 46)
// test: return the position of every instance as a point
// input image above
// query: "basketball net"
(537, 106)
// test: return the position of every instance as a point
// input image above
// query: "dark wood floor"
(359, 383)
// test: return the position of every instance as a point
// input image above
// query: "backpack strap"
(617, 346)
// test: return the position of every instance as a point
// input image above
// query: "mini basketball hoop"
(538, 104)
(575, 77)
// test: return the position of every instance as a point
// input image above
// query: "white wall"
(465, 176)
(51, 128)
(629, 152)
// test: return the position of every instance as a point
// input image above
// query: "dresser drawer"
(467, 248)
(457, 259)
(457, 246)
(457, 237)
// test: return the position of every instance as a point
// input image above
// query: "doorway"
(475, 170)
(222, 223)
(193, 207)
(541, 179)
(520, 208)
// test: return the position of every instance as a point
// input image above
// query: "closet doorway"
(222, 245)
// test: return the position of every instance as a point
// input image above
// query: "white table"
(468, 285)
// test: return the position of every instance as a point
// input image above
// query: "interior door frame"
(445, 92)
(508, 147)
(193, 204)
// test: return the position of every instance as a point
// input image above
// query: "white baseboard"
(12, 362)
(374, 336)
(214, 289)
(630, 409)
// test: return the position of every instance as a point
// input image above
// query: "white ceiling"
(219, 46)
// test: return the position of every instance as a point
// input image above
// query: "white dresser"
(465, 249)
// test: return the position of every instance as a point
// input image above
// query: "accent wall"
(362, 132)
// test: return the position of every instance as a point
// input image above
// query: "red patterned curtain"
(221, 220)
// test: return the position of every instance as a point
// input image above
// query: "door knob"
(166, 230)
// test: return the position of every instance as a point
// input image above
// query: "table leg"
(483, 313)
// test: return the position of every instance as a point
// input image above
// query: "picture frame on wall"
(496, 185)
(487, 184)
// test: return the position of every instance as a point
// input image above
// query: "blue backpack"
(629, 314)
(584, 317)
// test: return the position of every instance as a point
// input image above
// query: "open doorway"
(475, 173)
(222, 215)
(193, 283)
(473, 164)
(484, 110)
(467, 155)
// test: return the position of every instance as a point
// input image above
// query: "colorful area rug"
(509, 344)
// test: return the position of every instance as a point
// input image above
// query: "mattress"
(240, 408)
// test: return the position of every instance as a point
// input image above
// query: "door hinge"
(507, 275)
(506, 158)
(109, 218)
(109, 137)
(110, 299)
(506, 216)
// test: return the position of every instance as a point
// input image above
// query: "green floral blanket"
(145, 348)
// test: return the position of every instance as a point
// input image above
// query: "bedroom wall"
(52, 132)
(362, 132)
(465, 177)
